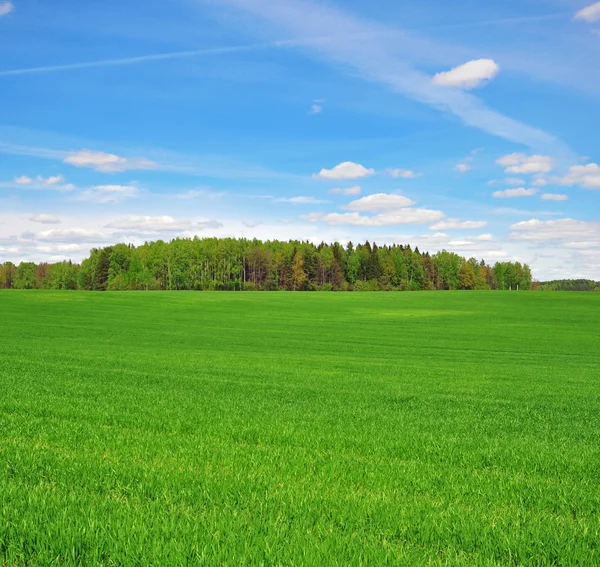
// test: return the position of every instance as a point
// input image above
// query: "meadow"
(182, 428)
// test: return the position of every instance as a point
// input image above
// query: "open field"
(451, 428)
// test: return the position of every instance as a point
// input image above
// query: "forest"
(568, 285)
(228, 264)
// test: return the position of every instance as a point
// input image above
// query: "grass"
(299, 429)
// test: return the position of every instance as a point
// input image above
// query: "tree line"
(568, 285)
(229, 264)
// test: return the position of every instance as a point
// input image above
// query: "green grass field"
(452, 428)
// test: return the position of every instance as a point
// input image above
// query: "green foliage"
(229, 264)
(448, 267)
(441, 429)
(569, 285)
(25, 276)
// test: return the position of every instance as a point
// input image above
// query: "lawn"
(442, 428)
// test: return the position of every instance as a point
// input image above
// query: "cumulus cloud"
(347, 191)
(540, 182)
(520, 163)
(301, 200)
(108, 193)
(397, 211)
(469, 75)
(6, 8)
(160, 224)
(586, 176)
(484, 237)
(379, 202)
(107, 163)
(23, 180)
(397, 217)
(511, 193)
(346, 170)
(554, 197)
(456, 224)
(402, 173)
(44, 219)
(589, 13)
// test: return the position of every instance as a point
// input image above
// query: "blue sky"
(465, 125)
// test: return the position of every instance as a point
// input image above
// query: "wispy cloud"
(105, 194)
(375, 58)
(301, 200)
(6, 8)
(107, 163)
(589, 14)
(456, 224)
(346, 191)
(205, 166)
(512, 193)
(143, 58)
(160, 224)
(402, 173)
(44, 219)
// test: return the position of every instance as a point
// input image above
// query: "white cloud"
(108, 193)
(520, 163)
(6, 8)
(347, 191)
(514, 181)
(510, 193)
(346, 170)
(569, 230)
(200, 193)
(67, 235)
(508, 181)
(467, 247)
(107, 163)
(44, 219)
(462, 167)
(397, 217)
(456, 224)
(379, 202)
(52, 180)
(469, 75)
(484, 238)
(540, 182)
(160, 224)
(589, 14)
(316, 109)
(554, 197)
(402, 173)
(58, 248)
(301, 200)
(586, 176)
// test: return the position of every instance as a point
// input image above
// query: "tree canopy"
(241, 264)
